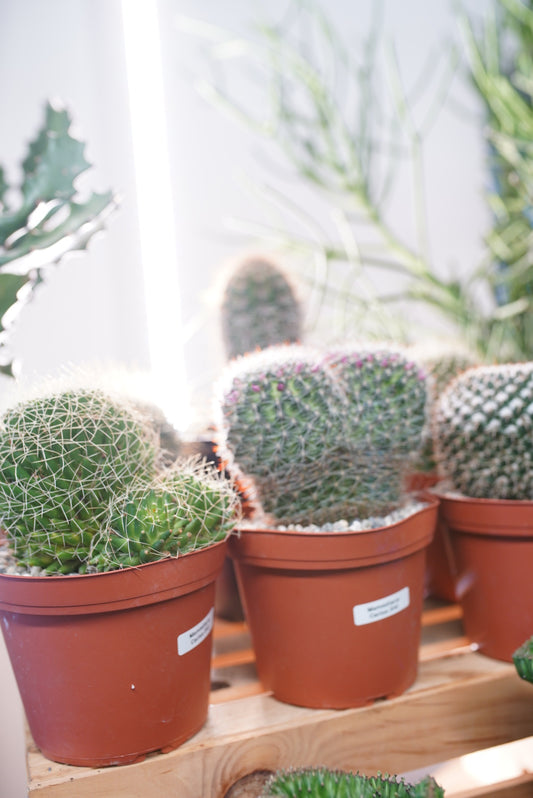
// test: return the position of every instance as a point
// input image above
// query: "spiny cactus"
(259, 308)
(442, 363)
(324, 783)
(483, 432)
(50, 218)
(187, 506)
(63, 456)
(523, 660)
(322, 437)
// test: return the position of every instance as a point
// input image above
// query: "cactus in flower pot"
(326, 783)
(483, 428)
(112, 557)
(324, 439)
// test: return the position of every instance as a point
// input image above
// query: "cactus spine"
(324, 437)
(259, 308)
(483, 428)
(324, 783)
(74, 465)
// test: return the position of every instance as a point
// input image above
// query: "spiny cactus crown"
(483, 432)
(259, 308)
(323, 437)
(523, 660)
(324, 783)
(71, 463)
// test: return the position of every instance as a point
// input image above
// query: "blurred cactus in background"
(523, 660)
(259, 308)
(324, 437)
(50, 217)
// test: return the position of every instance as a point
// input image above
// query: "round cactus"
(523, 660)
(186, 507)
(483, 432)
(324, 783)
(324, 438)
(259, 308)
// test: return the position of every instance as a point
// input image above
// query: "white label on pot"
(196, 635)
(381, 608)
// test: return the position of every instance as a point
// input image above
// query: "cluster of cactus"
(325, 783)
(50, 218)
(483, 427)
(83, 486)
(259, 308)
(323, 436)
(523, 660)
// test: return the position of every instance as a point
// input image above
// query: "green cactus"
(442, 363)
(523, 660)
(259, 308)
(482, 428)
(324, 438)
(63, 456)
(324, 783)
(50, 219)
(186, 507)
(83, 487)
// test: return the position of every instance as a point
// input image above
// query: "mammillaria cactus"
(81, 486)
(324, 783)
(259, 308)
(483, 427)
(324, 437)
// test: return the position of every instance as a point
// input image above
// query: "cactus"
(442, 363)
(324, 438)
(50, 220)
(259, 308)
(62, 457)
(483, 427)
(186, 507)
(324, 783)
(523, 660)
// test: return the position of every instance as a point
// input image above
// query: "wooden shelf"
(461, 702)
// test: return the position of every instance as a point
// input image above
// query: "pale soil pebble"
(359, 524)
(9, 566)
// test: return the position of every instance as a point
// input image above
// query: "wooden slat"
(518, 787)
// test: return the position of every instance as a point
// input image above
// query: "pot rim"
(336, 550)
(80, 594)
(481, 516)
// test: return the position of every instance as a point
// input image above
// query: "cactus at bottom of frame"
(186, 507)
(259, 308)
(64, 457)
(324, 783)
(483, 432)
(523, 660)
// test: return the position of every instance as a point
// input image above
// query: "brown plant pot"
(335, 616)
(111, 666)
(492, 546)
(440, 576)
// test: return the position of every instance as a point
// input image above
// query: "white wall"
(92, 306)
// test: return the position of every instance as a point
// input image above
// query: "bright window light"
(155, 207)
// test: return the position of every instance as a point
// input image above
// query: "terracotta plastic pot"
(335, 616)
(111, 666)
(492, 546)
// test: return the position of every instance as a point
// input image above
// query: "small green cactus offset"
(483, 428)
(324, 783)
(259, 308)
(82, 486)
(324, 437)
(523, 660)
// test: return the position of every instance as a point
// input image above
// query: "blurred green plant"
(45, 217)
(347, 142)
